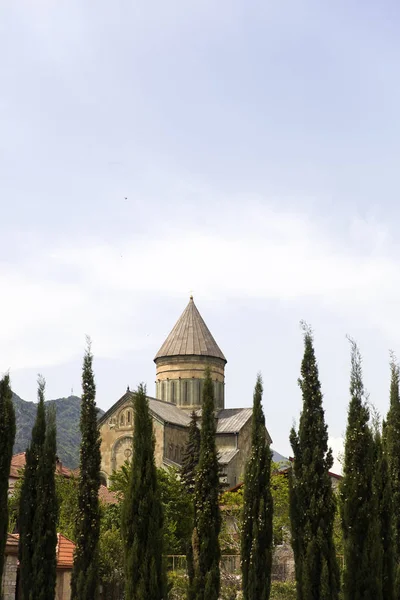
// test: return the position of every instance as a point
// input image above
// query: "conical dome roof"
(190, 337)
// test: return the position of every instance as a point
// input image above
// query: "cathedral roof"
(190, 337)
(229, 420)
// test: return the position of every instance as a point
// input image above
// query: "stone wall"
(176, 439)
(179, 380)
(10, 576)
(116, 440)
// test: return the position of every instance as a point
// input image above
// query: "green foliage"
(312, 503)
(7, 435)
(120, 480)
(256, 540)
(191, 455)
(280, 499)
(44, 534)
(392, 447)
(142, 517)
(111, 560)
(178, 511)
(383, 491)
(29, 496)
(84, 581)
(205, 540)
(362, 578)
(67, 489)
(283, 591)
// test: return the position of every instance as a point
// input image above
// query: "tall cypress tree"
(256, 543)
(312, 503)
(206, 549)
(84, 582)
(28, 497)
(7, 437)
(142, 516)
(383, 490)
(191, 455)
(190, 461)
(44, 535)
(362, 578)
(392, 445)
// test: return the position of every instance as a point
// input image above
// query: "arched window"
(122, 419)
(128, 416)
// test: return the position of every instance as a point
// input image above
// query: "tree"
(142, 515)
(383, 490)
(44, 534)
(29, 495)
(362, 578)
(191, 455)
(206, 549)
(312, 503)
(256, 542)
(392, 446)
(7, 437)
(177, 509)
(190, 461)
(84, 581)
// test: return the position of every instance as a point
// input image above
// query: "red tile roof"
(18, 462)
(65, 552)
(107, 496)
(64, 549)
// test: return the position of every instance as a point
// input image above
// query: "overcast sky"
(247, 151)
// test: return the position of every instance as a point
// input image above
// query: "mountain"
(68, 435)
(279, 459)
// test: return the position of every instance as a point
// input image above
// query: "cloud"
(251, 251)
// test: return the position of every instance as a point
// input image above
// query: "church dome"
(190, 337)
(183, 358)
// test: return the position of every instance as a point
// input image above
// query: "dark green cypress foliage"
(392, 445)
(142, 515)
(84, 582)
(206, 549)
(44, 537)
(362, 578)
(191, 455)
(7, 437)
(28, 498)
(188, 475)
(384, 499)
(312, 502)
(256, 542)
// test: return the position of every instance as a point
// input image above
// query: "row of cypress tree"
(38, 509)
(369, 493)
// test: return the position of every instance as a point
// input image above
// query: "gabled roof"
(231, 420)
(166, 411)
(225, 456)
(190, 337)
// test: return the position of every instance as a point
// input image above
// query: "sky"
(243, 151)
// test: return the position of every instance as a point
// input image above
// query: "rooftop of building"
(190, 337)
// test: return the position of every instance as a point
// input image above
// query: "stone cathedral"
(180, 365)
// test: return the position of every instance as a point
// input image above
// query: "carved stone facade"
(181, 362)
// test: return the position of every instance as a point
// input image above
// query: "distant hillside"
(68, 434)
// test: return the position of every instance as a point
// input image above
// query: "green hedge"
(283, 591)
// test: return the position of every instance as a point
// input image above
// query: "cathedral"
(180, 365)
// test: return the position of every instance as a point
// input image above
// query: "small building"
(65, 558)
